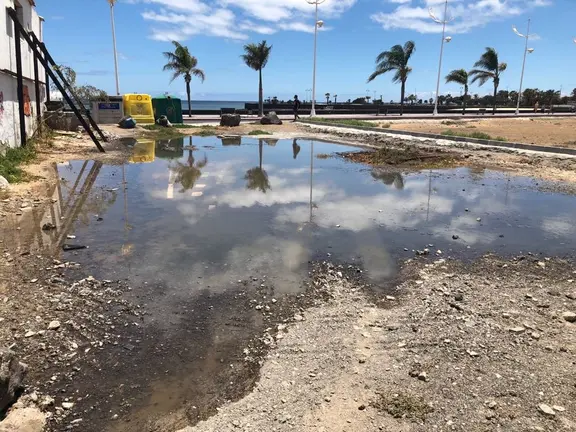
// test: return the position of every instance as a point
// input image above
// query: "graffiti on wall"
(27, 104)
(1, 106)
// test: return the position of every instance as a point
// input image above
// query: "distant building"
(9, 106)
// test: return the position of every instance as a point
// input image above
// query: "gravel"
(425, 365)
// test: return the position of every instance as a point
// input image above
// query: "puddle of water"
(222, 211)
(187, 219)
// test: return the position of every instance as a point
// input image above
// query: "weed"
(345, 122)
(11, 161)
(452, 122)
(403, 405)
(403, 156)
(259, 132)
(13, 158)
(477, 135)
(153, 127)
(385, 125)
(206, 131)
(323, 156)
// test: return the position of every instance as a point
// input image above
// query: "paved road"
(374, 117)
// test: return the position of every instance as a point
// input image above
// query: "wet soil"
(177, 332)
(406, 157)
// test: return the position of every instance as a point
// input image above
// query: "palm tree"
(257, 177)
(327, 96)
(188, 174)
(256, 57)
(459, 76)
(489, 68)
(396, 60)
(335, 99)
(182, 63)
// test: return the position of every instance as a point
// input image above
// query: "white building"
(9, 106)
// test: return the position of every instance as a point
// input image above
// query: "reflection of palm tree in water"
(188, 174)
(257, 178)
(389, 178)
(295, 148)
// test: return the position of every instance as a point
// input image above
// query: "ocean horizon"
(205, 105)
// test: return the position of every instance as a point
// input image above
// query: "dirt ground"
(455, 347)
(560, 132)
(547, 166)
(474, 347)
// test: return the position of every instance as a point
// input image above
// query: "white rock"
(558, 408)
(4, 183)
(54, 325)
(29, 334)
(67, 405)
(569, 316)
(23, 420)
(516, 329)
(546, 410)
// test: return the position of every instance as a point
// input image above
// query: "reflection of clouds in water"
(358, 213)
(465, 227)
(285, 194)
(559, 226)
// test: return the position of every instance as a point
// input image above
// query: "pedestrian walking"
(296, 107)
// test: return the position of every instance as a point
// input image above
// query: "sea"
(213, 105)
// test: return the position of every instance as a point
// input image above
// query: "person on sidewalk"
(296, 107)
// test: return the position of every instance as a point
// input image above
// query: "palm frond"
(458, 76)
(199, 73)
(409, 48)
(181, 63)
(256, 56)
(481, 76)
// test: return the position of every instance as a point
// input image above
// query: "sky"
(78, 34)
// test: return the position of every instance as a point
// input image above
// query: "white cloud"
(234, 19)
(466, 14)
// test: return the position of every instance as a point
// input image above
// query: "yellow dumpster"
(139, 107)
(144, 151)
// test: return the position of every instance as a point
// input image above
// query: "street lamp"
(526, 51)
(317, 24)
(445, 39)
(112, 2)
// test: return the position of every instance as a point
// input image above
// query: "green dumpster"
(168, 106)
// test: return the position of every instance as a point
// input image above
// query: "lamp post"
(317, 24)
(112, 2)
(445, 39)
(526, 51)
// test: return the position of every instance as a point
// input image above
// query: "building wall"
(9, 107)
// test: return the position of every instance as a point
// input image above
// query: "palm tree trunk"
(260, 96)
(260, 147)
(464, 101)
(402, 90)
(189, 100)
(495, 93)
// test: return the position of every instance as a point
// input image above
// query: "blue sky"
(78, 34)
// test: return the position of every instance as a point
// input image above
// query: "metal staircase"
(42, 55)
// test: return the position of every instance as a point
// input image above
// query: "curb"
(492, 143)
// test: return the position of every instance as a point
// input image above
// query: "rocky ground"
(451, 346)
(56, 323)
(480, 347)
